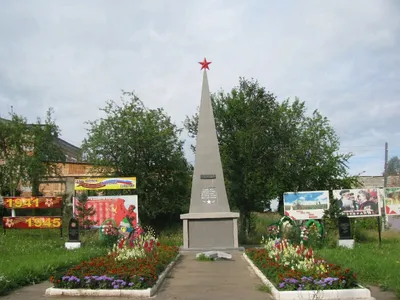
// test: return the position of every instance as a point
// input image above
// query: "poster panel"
(32, 202)
(358, 202)
(117, 183)
(122, 209)
(32, 222)
(306, 205)
(392, 200)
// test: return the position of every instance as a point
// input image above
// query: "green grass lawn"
(30, 256)
(374, 264)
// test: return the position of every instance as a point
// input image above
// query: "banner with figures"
(392, 200)
(121, 210)
(119, 183)
(306, 205)
(358, 202)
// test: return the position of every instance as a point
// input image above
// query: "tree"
(45, 154)
(268, 148)
(29, 153)
(84, 211)
(14, 140)
(133, 140)
(393, 166)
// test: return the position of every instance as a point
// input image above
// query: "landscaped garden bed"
(134, 267)
(292, 272)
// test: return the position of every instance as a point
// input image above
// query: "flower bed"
(134, 263)
(293, 272)
(294, 267)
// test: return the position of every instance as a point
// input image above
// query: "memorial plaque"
(209, 195)
(73, 230)
(208, 176)
(344, 228)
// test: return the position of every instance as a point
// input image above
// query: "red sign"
(32, 202)
(119, 208)
(31, 222)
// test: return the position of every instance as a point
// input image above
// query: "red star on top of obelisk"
(204, 64)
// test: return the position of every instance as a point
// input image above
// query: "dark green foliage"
(45, 152)
(393, 166)
(132, 140)
(28, 153)
(84, 211)
(268, 148)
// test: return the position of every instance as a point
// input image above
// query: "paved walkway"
(200, 280)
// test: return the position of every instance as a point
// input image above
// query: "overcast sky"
(341, 57)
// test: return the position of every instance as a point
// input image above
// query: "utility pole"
(385, 179)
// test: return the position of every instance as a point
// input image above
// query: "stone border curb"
(115, 293)
(361, 293)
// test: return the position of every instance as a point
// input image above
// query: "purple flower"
(282, 285)
(330, 280)
(290, 280)
(130, 283)
(305, 278)
(104, 277)
(73, 278)
(319, 282)
(116, 286)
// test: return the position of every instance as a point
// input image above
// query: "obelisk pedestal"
(209, 225)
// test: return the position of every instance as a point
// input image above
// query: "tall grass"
(260, 223)
(171, 236)
(374, 264)
(31, 256)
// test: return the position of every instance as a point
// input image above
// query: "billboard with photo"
(392, 200)
(122, 209)
(358, 202)
(306, 205)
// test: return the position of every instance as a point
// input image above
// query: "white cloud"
(339, 56)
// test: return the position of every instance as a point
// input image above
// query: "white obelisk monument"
(209, 225)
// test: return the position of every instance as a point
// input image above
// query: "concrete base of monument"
(346, 244)
(360, 293)
(183, 250)
(72, 245)
(114, 293)
(210, 231)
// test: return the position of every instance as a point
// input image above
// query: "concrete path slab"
(224, 279)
